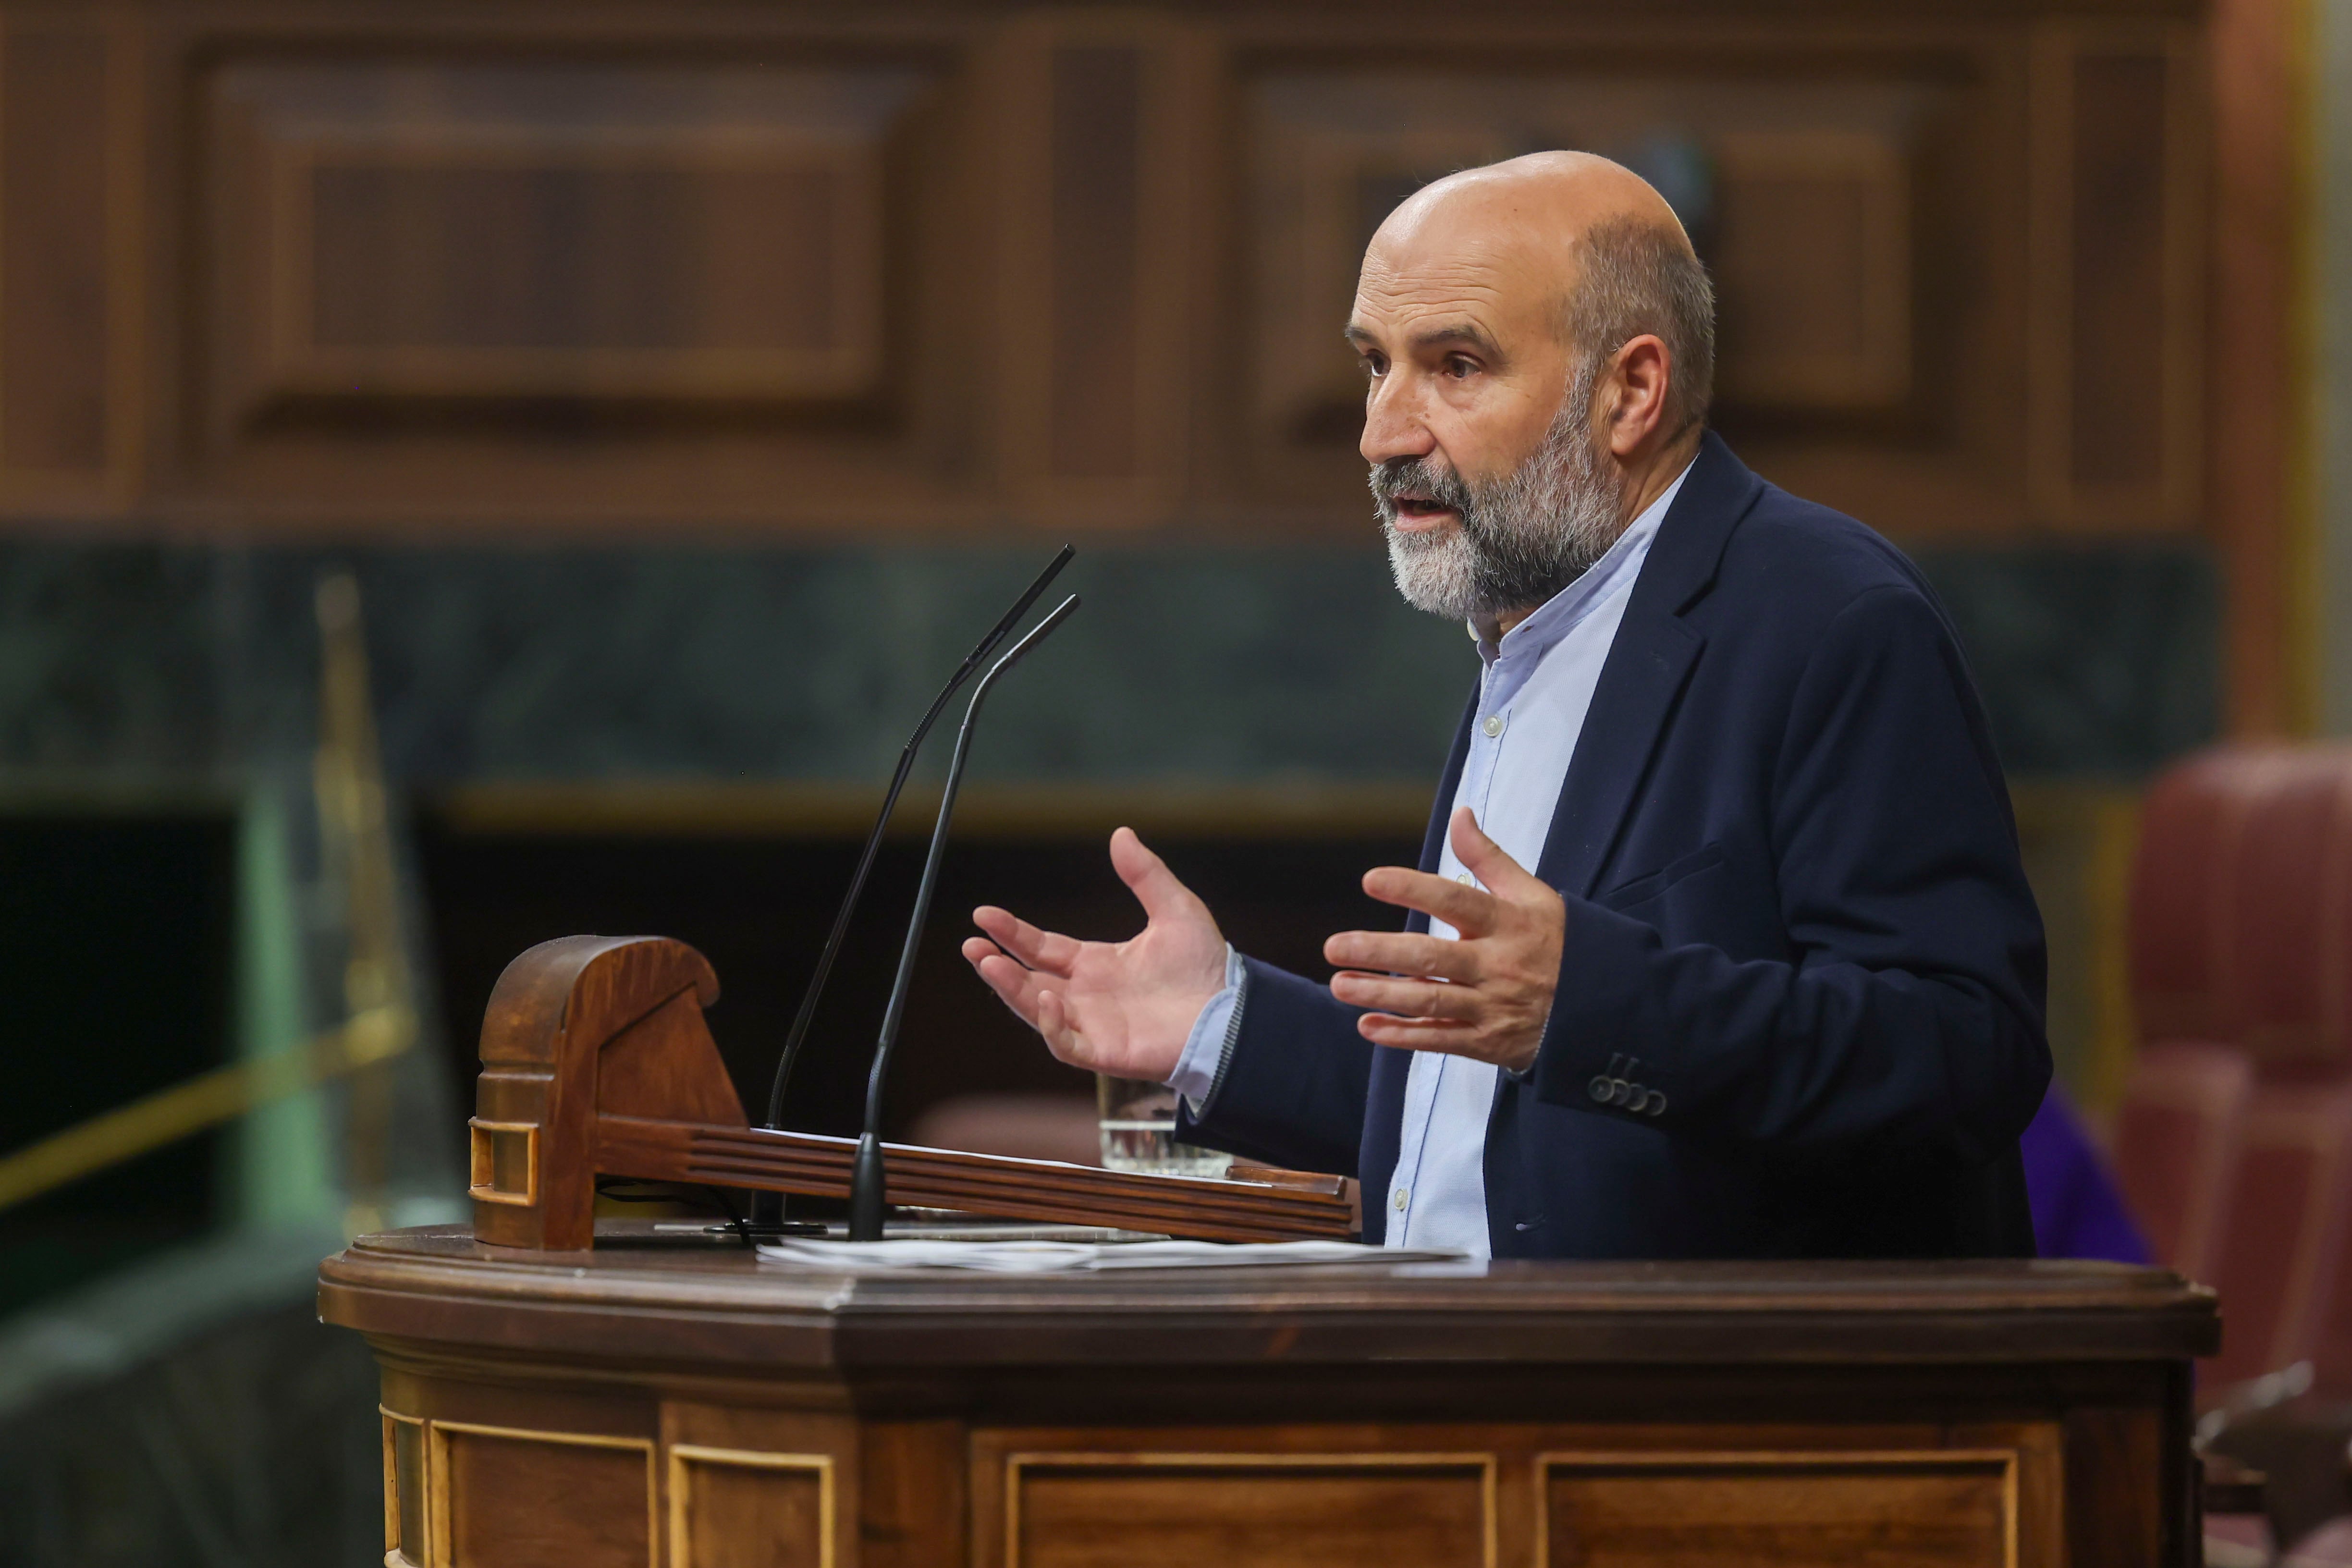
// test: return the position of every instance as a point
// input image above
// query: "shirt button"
(1493, 726)
(1464, 877)
(1400, 1200)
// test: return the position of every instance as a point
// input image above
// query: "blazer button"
(1599, 1089)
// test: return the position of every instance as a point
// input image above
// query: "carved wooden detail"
(1799, 190)
(2118, 265)
(1662, 1414)
(550, 231)
(801, 268)
(1931, 1508)
(599, 1495)
(1311, 1511)
(742, 1508)
(1813, 269)
(596, 1061)
(404, 1512)
(66, 265)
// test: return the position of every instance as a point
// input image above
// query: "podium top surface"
(644, 1294)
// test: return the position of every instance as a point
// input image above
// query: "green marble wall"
(139, 663)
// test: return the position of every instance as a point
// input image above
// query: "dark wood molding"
(2260, 377)
(1970, 1414)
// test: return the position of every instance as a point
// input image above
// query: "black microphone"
(798, 1037)
(867, 1182)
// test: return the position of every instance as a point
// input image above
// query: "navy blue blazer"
(1800, 1002)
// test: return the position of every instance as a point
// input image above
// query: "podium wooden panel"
(670, 1402)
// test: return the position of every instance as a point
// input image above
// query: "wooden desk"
(680, 1404)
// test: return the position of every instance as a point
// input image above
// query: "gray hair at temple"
(1638, 278)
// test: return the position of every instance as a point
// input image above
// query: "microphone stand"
(768, 1208)
(869, 1183)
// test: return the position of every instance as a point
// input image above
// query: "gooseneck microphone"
(988, 645)
(867, 1182)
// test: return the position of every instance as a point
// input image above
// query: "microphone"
(867, 1180)
(798, 1037)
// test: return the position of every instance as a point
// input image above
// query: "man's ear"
(1640, 376)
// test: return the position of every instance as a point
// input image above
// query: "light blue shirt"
(1532, 697)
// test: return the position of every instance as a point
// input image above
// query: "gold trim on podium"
(2007, 1459)
(437, 1471)
(1113, 1459)
(681, 1454)
(482, 1138)
(395, 1541)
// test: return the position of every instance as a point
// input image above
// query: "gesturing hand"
(1123, 1008)
(1486, 996)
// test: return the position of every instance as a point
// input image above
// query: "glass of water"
(1138, 1130)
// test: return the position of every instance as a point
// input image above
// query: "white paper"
(1082, 1257)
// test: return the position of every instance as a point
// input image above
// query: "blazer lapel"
(1647, 664)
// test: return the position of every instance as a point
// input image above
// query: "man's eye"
(1375, 365)
(1459, 367)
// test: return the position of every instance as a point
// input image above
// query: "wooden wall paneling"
(544, 281)
(1325, 167)
(2258, 440)
(787, 269)
(69, 247)
(1814, 277)
(549, 231)
(2115, 391)
(1809, 156)
(1094, 116)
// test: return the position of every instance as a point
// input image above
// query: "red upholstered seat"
(2280, 1250)
(2233, 1149)
(2176, 1144)
(2285, 900)
(2188, 823)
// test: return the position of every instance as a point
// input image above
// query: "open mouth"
(1415, 511)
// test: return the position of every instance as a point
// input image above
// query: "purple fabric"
(2078, 1211)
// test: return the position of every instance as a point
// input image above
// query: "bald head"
(1528, 215)
(1583, 239)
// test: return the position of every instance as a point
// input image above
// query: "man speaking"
(1720, 945)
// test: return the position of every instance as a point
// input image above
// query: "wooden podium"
(681, 1405)
(559, 1391)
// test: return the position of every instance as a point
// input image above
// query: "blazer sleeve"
(1908, 1016)
(1293, 1087)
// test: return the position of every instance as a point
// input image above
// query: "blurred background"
(471, 474)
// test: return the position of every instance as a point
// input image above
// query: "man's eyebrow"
(1469, 335)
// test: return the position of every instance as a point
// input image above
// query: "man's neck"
(1641, 482)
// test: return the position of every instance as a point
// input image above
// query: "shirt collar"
(1560, 613)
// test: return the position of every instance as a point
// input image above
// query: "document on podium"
(1085, 1257)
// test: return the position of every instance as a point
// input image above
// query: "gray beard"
(1520, 540)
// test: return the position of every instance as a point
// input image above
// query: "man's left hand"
(1486, 996)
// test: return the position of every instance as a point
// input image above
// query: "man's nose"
(1392, 423)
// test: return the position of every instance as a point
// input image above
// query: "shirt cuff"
(1206, 1049)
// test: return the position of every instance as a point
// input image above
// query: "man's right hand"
(1124, 1008)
